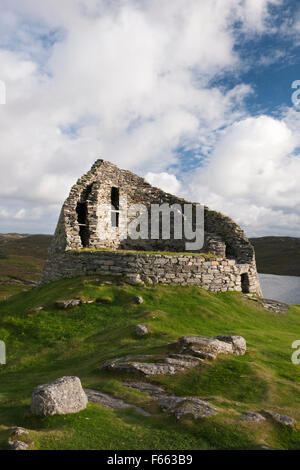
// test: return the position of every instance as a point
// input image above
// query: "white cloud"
(128, 81)
(21, 214)
(253, 176)
(165, 181)
(255, 13)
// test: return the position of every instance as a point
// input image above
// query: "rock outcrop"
(64, 304)
(178, 406)
(253, 416)
(280, 418)
(63, 396)
(209, 348)
(18, 431)
(18, 445)
(104, 399)
(169, 365)
(193, 351)
(15, 442)
(272, 305)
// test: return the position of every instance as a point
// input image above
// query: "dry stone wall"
(233, 268)
(214, 274)
(222, 234)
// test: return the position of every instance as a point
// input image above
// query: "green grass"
(21, 259)
(50, 343)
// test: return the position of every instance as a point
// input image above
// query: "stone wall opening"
(245, 283)
(229, 254)
(82, 218)
(115, 198)
(114, 219)
(115, 206)
(105, 184)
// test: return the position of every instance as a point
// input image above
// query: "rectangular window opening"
(115, 219)
(115, 199)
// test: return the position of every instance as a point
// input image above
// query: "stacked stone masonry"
(214, 274)
(232, 268)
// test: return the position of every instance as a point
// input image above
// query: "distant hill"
(22, 257)
(277, 255)
(21, 260)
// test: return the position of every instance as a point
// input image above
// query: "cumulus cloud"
(130, 81)
(253, 175)
(255, 14)
(165, 181)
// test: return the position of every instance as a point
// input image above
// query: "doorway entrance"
(245, 283)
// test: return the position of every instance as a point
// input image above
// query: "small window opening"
(115, 198)
(82, 216)
(115, 219)
(115, 207)
(245, 283)
(81, 213)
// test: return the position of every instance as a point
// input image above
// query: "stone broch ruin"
(77, 248)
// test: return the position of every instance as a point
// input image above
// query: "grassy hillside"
(277, 255)
(21, 260)
(46, 344)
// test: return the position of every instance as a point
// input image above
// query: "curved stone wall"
(213, 274)
(234, 255)
(95, 186)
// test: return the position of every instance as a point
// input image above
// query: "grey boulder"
(141, 330)
(18, 431)
(63, 396)
(209, 348)
(133, 279)
(18, 445)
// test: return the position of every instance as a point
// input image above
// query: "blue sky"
(194, 96)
